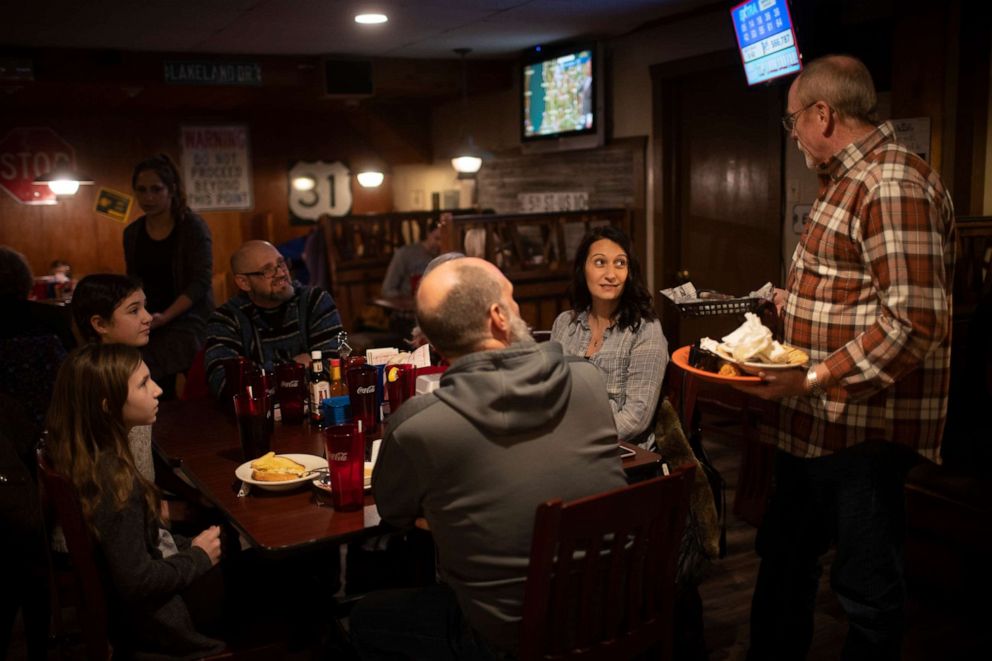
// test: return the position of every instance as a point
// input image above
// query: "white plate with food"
(280, 472)
(323, 485)
(796, 358)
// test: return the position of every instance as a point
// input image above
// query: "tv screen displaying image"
(766, 39)
(559, 95)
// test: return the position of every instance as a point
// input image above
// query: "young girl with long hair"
(101, 392)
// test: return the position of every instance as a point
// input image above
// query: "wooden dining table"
(201, 440)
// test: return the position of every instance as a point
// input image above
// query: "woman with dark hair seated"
(613, 324)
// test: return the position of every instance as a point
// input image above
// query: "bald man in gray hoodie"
(513, 424)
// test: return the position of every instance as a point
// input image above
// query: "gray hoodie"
(506, 431)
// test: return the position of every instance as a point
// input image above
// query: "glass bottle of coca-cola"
(320, 388)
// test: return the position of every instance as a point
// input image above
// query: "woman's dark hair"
(99, 294)
(16, 280)
(167, 171)
(635, 301)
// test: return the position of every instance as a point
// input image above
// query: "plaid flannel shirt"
(870, 297)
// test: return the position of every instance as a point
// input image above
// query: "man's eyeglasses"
(789, 121)
(270, 271)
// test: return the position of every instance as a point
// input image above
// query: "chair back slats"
(592, 605)
(601, 579)
(541, 561)
(619, 566)
(562, 571)
(639, 595)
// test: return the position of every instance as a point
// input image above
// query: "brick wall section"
(607, 174)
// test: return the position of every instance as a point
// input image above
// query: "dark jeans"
(853, 498)
(418, 623)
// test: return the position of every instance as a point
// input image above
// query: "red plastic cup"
(362, 389)
(351, 361)
(401, 384)
(39, 291)
(291, 392)
(415, 283)
(239, 374)
(265, 382)
(346, 462)
(253, 428)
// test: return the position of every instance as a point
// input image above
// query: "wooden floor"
(726, 592)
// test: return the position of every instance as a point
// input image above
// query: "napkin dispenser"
(428, 383)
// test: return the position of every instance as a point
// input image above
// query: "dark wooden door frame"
(665, 80)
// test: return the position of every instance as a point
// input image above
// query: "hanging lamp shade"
(62, 182)
(370, 178)
(468, 157)
(369, 168)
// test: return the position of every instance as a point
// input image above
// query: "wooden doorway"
(718, 174)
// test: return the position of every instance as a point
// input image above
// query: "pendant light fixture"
(369, 168)
(62, 181)
(468, 157)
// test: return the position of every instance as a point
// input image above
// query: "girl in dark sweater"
(102, 391)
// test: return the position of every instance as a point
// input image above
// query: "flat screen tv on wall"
(767, 40)
(561, 98)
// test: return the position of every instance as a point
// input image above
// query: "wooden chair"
(82, 585)
(541, 335)
(84, 581)
(601, 582)
(194, 385)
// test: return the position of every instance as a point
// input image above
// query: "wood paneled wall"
(107, 147)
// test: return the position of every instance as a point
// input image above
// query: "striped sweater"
(309, 321)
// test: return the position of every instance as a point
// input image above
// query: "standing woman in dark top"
(169, 250)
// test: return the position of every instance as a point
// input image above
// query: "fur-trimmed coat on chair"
(674, 447)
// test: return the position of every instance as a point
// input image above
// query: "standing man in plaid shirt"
(869, 298)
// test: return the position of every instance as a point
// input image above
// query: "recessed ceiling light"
(371, 19)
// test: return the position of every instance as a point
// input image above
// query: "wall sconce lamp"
(62, 182)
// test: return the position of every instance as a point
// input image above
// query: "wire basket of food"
(691, 302)
(718, 306)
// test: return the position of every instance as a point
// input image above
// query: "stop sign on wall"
(27, 153)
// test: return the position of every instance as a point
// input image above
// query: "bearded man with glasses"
(272, 319)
